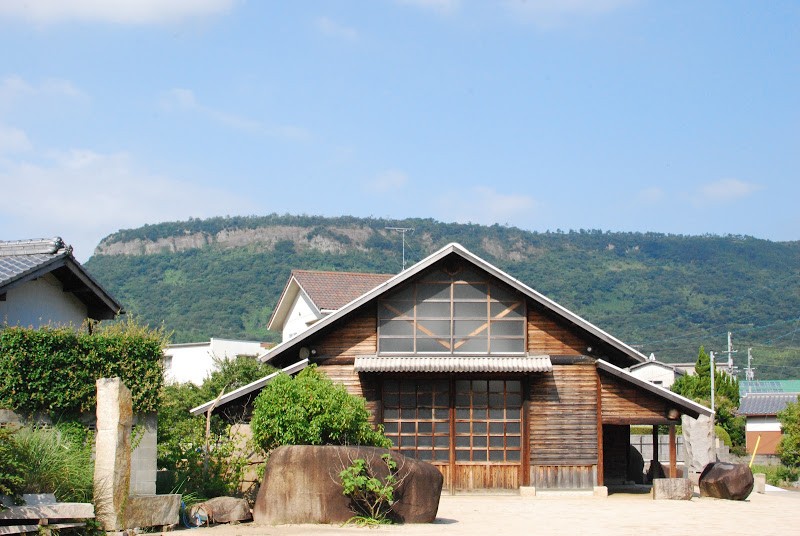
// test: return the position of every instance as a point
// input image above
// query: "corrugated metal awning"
(453, 363)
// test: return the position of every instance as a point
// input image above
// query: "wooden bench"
(43, 513)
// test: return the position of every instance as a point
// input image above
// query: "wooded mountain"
(667, 294)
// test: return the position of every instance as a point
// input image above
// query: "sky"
(677, 117)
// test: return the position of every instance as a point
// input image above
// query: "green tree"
(311, 410)
(182, 437)
(726, 396)
(789, 446)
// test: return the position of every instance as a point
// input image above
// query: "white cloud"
(485, 205)
(335, 29)
(82, 196)
(725, 190)
(389, 181)
(444, 7)
(13, 140)
(112, 11)
(14, 88)
(554, 12)
(184, 100)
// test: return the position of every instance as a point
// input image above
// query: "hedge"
(54, 370)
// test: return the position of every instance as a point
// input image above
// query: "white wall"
(41, 302)
(654, 373)
(301, 315)
(763, 424)
(193, 362)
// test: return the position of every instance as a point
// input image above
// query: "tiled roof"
(453, 363)
(332, 290)
(765, 404)
(21, 257)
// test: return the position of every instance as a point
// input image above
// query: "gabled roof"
(628, 354)
(24, 260)
(290, 349)
(658, 364)
(685, 405)
(753, 404)
(327, 291)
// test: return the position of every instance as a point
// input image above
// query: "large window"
(457, 313)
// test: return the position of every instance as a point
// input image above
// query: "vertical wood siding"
(564, 476)
(563, 416)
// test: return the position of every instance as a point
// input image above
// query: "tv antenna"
(402, 231)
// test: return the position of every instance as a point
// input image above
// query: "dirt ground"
(773, 513)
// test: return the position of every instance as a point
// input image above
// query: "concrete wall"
(193, 362)
(301, 315)
(41, 302)
(144, 456)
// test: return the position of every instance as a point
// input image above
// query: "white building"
(656, 372)
(194, 361)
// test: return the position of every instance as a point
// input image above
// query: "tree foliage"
(789, 446)
(726, 396)
(311, 410)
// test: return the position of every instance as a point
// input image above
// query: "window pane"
(393, 309)
(425, 427)
(496, 400)
(496, 455)
(496, 442)
(397, 327)
(424, 455)
(515, 399)
(513, 441)
(424, 441)
(470, 310)
(470, 291)
(391, 413)
(479, 428)
(496, 414)
(433, 310)
(433, 291)
(407, 427)
(512, 455)
(390, 428)
(462, 441)
(430, 345)
(497, 386)
(463, 328)
(508, 328)
(442, 441)
(504, 346)
(480, 386)
(395, 345)
(439, 328)
(462, 386)
(479, 455)
(473, 346)
(462, 455)
(512, 428)
(479, 441)
(479, 400)
(462, 413)
(511, 310)
(462, 428)
(502, 294)
(496, 428)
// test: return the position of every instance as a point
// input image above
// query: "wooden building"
(492, 382)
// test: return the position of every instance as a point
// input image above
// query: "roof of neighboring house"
(753, 404)
(290, 349)
(25, 260)
(327, 291)
(657, 364)
(768, 386)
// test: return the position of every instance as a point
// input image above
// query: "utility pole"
(730, 353)
(402, 231)
(749, 372)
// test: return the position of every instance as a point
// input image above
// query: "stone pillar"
(112, 467)
(698, 442)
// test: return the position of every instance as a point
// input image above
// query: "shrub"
(11, 469)
(311, 410)
(789, 446)
(371, 497)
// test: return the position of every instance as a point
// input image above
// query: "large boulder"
(733, 481)
(302, 485)
(222, 510)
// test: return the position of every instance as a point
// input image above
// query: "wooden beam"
(600, 462)
(673, 453)
(655, 442)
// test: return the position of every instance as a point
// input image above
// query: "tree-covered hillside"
(666, 294)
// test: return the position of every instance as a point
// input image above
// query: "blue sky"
(622, 115)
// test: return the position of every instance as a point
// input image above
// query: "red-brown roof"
(332, 290)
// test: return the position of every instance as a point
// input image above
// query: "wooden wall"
(563, 427)
(624, 403)
(337, 351)
(545, 336)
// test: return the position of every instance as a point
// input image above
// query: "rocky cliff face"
(330, 240)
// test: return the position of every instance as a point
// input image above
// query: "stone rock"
(698, 442)
(301, 485)
(760, 482)
(152, 511)
(656, 470)
(675, 489)
(635, 470)
(733, 481)
(223, 510)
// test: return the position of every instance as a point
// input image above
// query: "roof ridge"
(33, 246)
(337, 272)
